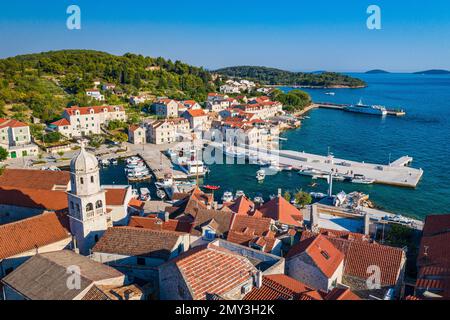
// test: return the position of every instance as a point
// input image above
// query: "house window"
(98, 204)
(92, 179)
(81, 180)
(140, 261)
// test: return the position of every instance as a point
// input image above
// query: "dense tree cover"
(3, 154)
(47, 82)
(272, 76)
(292, 101)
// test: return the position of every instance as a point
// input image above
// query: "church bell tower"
(87, 204)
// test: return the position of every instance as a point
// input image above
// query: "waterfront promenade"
(395, 174)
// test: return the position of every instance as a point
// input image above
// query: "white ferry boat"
(362, 108)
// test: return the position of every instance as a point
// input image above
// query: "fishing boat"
(227, 196)
(313, 173)
(362, 108)
(361, 179)
(260, 175)
(194, 167)
(211, 188)
(166, 183)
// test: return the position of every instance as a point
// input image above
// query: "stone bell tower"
(87, 204)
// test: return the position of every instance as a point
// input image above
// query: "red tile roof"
(283, 287)
(132, 241)
(34, 198)
(213, 270)
(86, 110)
(433, 259)
(196, 113)
(360, 255)
(34, 179)
(115, 197)
(341, 294)
(282, 211)
(158, 224)
(27, 234)
(242, 206)
(61, 122)
(11, 123)
(321, 251)
(249, 229)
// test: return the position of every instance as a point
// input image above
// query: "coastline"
(338, 86)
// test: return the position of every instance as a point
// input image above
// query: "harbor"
(318, 166)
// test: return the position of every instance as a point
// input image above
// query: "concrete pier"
(394, 175)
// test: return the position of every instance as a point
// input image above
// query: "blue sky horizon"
(290, 35)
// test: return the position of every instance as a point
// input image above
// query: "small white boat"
(161, 193)
(114, 161)
(330, 93)
(239, 194)
(258, 200)
(260, 175)
(286, 167)
(166, 183)
(227, 196)
(362, 180)
(317, 195)
(104, 162)
(145, 194)
(134, 193)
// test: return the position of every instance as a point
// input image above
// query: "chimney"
(258, 279)
(314, 219)
(279, 192)
(366, 224)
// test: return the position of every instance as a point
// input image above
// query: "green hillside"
(272, 76)
(43, 84)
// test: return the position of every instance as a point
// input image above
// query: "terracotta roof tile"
(61, 122)
(11, 123)
(132, 241)
(359, 255)
(158, 224)
(115, 197)
(322, 252)
(33, 198)
(282, 287)
(25, 235)
(282, 211)
(34, 179)
(213, 270)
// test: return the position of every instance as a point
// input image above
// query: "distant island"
(377, 71)
(433, 71)
(273, 76)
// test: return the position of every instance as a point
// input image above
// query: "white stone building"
(167, 108)
(80, 121)
(15, 137)
(95, 94)
(167, 131)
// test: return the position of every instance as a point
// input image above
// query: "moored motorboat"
(239, 193)
(227, 196)
(260, 175)
(145, 194)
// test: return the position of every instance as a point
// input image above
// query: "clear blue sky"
(291, 34)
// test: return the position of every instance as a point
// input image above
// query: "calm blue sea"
(424, 134)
